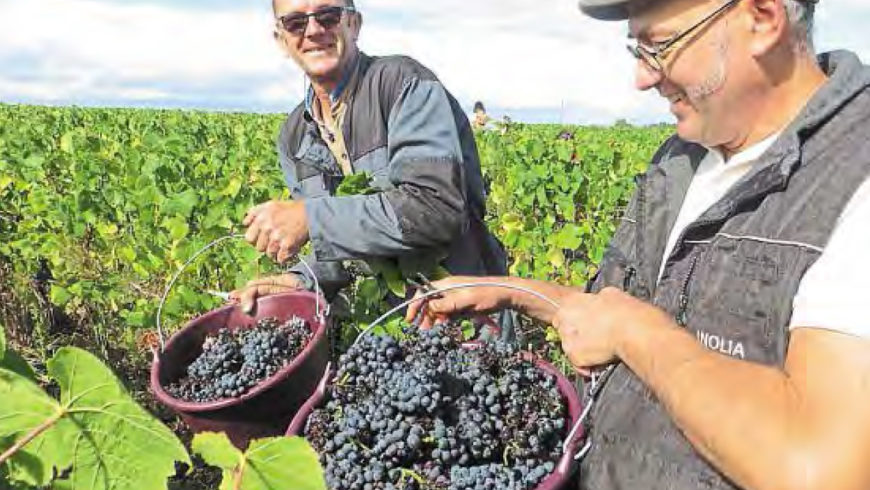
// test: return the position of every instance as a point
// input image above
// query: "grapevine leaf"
(181, 204)
(391, 274)
(274, 463)
(15, 363)
(11, 361)
(556, 258)
(356, 184)
(27, 412)
(59, 295)
(216, 450)
(96, 430)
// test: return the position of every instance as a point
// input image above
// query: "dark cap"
(618, 9)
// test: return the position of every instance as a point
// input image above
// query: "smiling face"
(323, 52)
(699, 76)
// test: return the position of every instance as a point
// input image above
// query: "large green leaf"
(181, 204)
(12, 361)
(269, 464)
(96, 430)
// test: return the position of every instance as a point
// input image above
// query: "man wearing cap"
(735, 294)
(387, 116)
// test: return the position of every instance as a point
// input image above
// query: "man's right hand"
(264, 286)
(477, 300)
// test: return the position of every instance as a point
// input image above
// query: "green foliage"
(389, 275)
(556, 192)
(281, 462)
(11, 361)
(117, 200)
(95, 430)
(356, 184)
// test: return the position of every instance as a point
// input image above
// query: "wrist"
(629, 337)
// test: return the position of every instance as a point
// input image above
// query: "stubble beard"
(717, 77)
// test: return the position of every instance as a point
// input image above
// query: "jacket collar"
(339, 89)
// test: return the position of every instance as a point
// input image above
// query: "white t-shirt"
(834, 294)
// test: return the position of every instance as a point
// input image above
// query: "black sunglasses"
(327, 17)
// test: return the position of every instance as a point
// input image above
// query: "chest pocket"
(741, 298)
(316, 169)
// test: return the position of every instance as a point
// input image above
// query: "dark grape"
(424, 413)
(233, 362)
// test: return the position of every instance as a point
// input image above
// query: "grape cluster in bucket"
(426, 412)
(234, 361)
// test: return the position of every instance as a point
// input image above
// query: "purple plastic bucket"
(558, 479)
(267, 408)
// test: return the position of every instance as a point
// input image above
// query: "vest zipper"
(628, 280)
(682, 316)
(639, 249)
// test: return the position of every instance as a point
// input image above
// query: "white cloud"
(517, 55)
(87, 48)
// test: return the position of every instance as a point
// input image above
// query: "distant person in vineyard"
(735, 292)
(481, 119)
(388, 116)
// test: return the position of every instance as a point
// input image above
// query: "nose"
(645, 77)
(313, 28)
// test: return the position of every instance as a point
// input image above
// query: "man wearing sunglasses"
(735, 294)
(389, 117)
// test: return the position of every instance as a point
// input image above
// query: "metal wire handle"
(598, 379)
(320, 312)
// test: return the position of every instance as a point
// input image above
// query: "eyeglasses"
(654, 56)
(328, 17)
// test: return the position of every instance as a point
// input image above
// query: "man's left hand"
(591, 325)
(278, 228)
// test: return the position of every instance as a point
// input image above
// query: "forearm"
(741, 416)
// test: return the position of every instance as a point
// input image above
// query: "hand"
(278, 228)
(466, 300)
(591, 325)
(247, 296)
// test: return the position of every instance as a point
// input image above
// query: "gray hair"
(800, 16)
(347, 3)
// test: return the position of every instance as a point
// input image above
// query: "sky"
(536, 61)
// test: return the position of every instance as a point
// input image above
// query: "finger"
(427, 321)
(263, 241)
(253, 212)
(586, 373)
(274, 245)
(248, 299)
(285, 251)
(252, 233)
(414, 308)
(251, 216)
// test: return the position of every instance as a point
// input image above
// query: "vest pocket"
(616, 271)
(743, 300)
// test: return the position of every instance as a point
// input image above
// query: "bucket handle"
(319, 312)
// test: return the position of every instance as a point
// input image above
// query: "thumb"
(248, 299)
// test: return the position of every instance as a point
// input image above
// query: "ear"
(355, 22)
(281, 42)
(767, 25)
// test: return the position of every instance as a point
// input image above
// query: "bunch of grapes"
(233, 362)
(425, 413)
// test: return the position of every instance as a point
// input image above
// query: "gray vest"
(733, 273)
